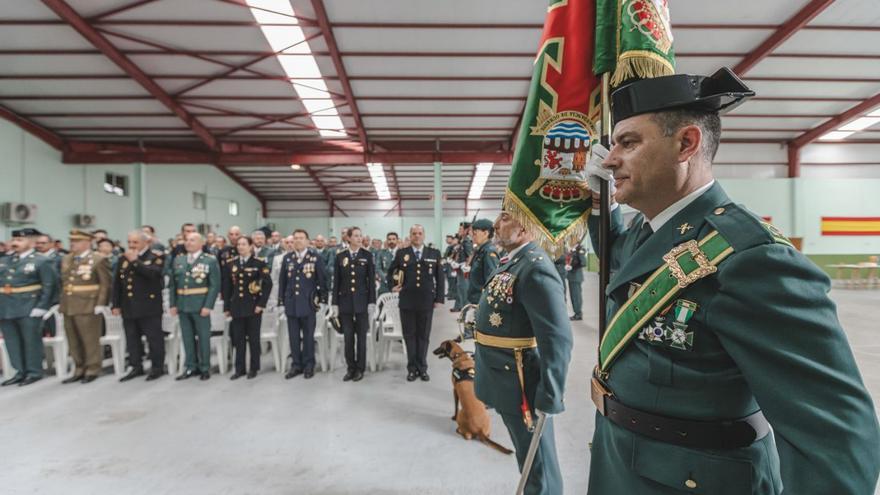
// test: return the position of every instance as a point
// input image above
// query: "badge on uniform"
(29, 268)
(405, 258)
(674, 335)
(501, 287)
(345, 261)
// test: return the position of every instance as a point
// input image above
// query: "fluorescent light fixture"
(284, 35)
(295, 166)
(481, 176)
(859, 124)
(836, 135)
(377, 174)
(875, 113)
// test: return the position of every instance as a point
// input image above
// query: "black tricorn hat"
(719, 93)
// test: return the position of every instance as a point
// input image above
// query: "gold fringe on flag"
(640, 64)
(554, 245)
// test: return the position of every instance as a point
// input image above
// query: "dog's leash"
(533, 450)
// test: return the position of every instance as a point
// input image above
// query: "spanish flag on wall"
(851, 226)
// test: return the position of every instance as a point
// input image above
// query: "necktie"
(418, 256)
(644, 233)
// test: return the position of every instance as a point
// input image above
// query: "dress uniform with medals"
(194, 285)
(484, 262)
(302, 289)
(247, 284)
(416, 270)
(719, 329)
(354, 294)
(574, 262)
(27, 285)
(137, 293)
(85, 290)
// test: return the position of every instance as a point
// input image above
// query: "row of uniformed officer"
(354, 301)
(246, 286)
(416, 274)
(461, 258)
(571, 268)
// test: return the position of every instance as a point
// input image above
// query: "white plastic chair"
(115, 338)
(387, 327)
(58, 344)
(220, 343)
(270, 331)
(8, 371)
(337, 344)
(171, 324)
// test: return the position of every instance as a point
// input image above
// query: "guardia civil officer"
(354, 301)
(574, 262)
(384, 259)
(247, 283)
(483, 262)
(416, 274)
(724, 368)
(523, 348)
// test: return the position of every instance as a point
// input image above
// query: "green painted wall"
(32, 172)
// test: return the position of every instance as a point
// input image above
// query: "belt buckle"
(7, 289)
(598, 392)
(699, 257)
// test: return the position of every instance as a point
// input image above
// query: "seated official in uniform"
(28, 283)
(301, 291)
(85, 294)
(354, 301)
(724, 368)
(523, 348)
(193, 287)
(246, 287)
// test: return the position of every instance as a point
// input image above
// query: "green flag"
(633, 39)
(547, 190)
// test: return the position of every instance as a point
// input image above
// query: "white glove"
(596, 171)
(334, 311)
(542, 413)
(466, 269)
(371, 309)
(100, 309)
(38, 313)
(455, 265)
(453, 274)
(568, 268)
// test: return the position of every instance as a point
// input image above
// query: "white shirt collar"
(301, 254)
(144, 250)
(83, 255)
(26, 253)
(673, 209)
(49, 252)
(511, 254)
(244, 259)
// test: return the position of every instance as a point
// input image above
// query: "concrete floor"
(271, 436)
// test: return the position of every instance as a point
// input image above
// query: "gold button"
(152, 296)
(507, 367)
(719, 211)
(691, 483)
(296, 293)
(130, 294)
(352, 289)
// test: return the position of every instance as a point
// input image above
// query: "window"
(233, 208)
(116, 184)
(199, 200)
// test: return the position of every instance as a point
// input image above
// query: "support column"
(438, 205)
(139, 193)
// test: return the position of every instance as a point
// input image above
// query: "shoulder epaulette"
(157, 252)
(742, 229)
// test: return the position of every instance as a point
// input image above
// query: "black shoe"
(358, 376)
(237, 375)
(12, 381)
(425, 377)
(132, 375)
(253, 374)
(186, 375)
(411, 376)
(576, 318)
(29, 380)
(453, 310)
(205, 376)
(89, 378)
(348, 376)
(153, 376)
(308, 374)
(72, 379)
(293, 373)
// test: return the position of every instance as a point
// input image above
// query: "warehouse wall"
(32, 172)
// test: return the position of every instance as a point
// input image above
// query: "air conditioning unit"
(19, 213)
(84, 220)
(204, 228)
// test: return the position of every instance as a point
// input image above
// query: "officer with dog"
(724, 368)
(523, 348)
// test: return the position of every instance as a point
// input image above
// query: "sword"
(533, 450)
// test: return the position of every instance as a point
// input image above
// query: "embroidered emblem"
(495, 319)
(405, 258)
(684, 228)
(344, 262)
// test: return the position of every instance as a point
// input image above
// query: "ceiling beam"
(47, 136)
(77, 22)
(836, 121)
(247, 187)
(333, 49)
(783, 33)
(327, 196)
(119, 10)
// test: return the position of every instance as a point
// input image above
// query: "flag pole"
(604, 211)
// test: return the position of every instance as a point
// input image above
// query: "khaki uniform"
(85, 284)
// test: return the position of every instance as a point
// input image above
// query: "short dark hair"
(187, 224)
(99, 231)
(670, 121)
(107, 240)
(150, 228)
(352, 229)
(392, 234)
(248, 238)
(301, 230)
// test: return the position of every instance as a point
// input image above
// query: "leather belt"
(717, 435)
(8, 289)
(82, 288)
(192, 292)
(517, 345)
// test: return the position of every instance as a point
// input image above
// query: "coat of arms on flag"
(565, 149)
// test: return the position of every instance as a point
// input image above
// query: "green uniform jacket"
(266, 253)
(33, 269)
(203, 273)
(383, 263)
(524, 298)
(764, 335)
(484, 262)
